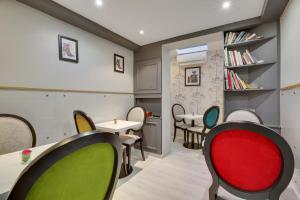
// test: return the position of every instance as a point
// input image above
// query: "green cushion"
(83, 175)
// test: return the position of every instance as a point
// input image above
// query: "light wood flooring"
(182, 175)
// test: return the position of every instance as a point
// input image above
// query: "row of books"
(234, 82)
(236, 37)
(236, 58)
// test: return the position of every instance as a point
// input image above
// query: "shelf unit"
(248, 43)
(252, 65)
(266, 75)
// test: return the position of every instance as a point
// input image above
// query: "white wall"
(290, 74)
(29, 58)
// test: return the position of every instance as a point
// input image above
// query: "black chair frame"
(139, 133)
(254, 113)
(44, 161)
(26, 122)
(273, 192)
(88, 119)
(179, 120)
(202, 133)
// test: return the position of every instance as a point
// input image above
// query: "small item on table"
(115, 121)
(193, 113)
(149, 114)
(26, 155)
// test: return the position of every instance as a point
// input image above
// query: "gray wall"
(29, 58)
(290, 71)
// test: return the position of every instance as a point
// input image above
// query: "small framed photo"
(118, 63)
(68, 49)
(192, 76)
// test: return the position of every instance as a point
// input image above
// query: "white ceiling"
(163, 19)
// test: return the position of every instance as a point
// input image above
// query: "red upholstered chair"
(248, 160)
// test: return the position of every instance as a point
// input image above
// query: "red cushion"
(246, 160)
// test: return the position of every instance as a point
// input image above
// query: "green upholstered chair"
(85, 166)
(210, 120)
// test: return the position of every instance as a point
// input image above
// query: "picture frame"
(192, 76)
(68, 49)
(119, 63)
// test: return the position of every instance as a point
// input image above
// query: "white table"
(119, 127)
(11, 166)
(191, 117)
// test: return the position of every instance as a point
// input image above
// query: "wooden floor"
(182, 175)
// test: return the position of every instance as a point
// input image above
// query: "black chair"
(85, 166)
(210, 120)
(243, 115)
(16, 133)
(179, 123)
(248, 160)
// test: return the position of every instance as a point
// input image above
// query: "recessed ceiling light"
(99, 3)
(142, 32)
(226, 4)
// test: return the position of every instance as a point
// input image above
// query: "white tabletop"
(11, 166)
(190, 116)
(119, 127)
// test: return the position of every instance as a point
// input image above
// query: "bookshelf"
(264, 98)
(251, 65)
(248, 43)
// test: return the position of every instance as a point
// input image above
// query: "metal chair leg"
(124, 162)
(175, 131)
(142, 149)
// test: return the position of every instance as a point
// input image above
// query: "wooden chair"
(243, 115)
(180, 124)
(85, 166)
(83, 122)
(248, 160)
(137, 114)
(16, 134)
(210, 120)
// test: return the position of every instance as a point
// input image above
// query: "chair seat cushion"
(197, 129)
(183, 126)
(129, 139)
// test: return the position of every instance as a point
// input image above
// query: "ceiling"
(163, 19)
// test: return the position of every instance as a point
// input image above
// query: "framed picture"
(68, 49)
(192, 76)
(119, 63)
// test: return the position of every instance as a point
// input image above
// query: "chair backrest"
(249, 160)
(83, 122)
(137, 114)
(85, 166)
(16, 134)
(211, 117)
(243, 115)
(177, 109)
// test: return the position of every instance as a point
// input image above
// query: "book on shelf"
(242, 36)
(236, 58)
(234, 82)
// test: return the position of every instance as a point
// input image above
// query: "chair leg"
(175, 131)
(213, 191)
(124, 162)
(184, 135)
(187, 137)
(198, 139)
(128, 149)
(142, 149)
